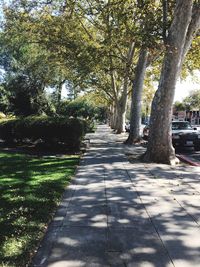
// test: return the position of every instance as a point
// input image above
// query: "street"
(190, 154)
(187, 152)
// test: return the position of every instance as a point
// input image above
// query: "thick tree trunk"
(160, 147)
(111, 124)
(110, 115)
(113, 117)
(122, 102)
(121, 115)
(136, 104)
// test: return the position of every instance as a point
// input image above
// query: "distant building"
(193, 116)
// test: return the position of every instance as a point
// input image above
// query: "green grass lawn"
(30, 190)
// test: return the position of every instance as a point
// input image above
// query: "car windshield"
(181, 125)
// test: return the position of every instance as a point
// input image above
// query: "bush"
(23, 95)
(2, 115)
(50, 130)
(6, 130)
(83, 109)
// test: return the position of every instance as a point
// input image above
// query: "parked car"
(183, 135)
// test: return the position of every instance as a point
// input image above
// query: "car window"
(181, 126)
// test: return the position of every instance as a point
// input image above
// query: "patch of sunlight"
(69, 241)
(68, 263)
(13, 246)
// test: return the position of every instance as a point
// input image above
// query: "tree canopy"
(91, 46)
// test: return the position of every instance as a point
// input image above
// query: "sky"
(183, 88)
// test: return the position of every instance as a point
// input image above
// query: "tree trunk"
(122, 102)
(113, 117)
(165, 11)
(160, 147)
(136, 104)
(121, 115)
(59, 94)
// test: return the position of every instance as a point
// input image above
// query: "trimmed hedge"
(50, 130)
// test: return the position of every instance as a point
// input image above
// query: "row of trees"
(191, 102)
(115, 48)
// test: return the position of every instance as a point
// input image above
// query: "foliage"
(182, 31)
(192, 101)
(149, 91)
(2, 115)
(31, 189)
(84, 43)
(83, 107)
(98, 33)
(4, 99)
(192, 61)
(26, 97)
(179, 106)
(50, 130)
(59, 50)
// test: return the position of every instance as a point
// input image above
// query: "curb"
(187, 160)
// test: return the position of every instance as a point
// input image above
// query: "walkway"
(119, 214)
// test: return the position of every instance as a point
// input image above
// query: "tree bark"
(122, 102)
(136, 103)
(121, 115)
(59, 93)
(113, 117)
(165, 11)
(160, 147)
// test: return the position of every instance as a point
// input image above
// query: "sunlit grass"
(30, 190)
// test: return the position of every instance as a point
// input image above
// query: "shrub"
(2, 115)
(26, 96)
(50, 130)
(6, 130)
(83, 109)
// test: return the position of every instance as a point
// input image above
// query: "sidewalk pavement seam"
(185, 210)
(193, 218)
(154, 226)
(174, 195)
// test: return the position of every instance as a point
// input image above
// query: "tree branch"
(165, 11)
(192, 29)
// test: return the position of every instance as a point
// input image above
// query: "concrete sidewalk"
(125, 215)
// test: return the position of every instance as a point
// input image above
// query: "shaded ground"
(37, 149)
(121, 214)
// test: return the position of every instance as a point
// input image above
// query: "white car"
(183, 135)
